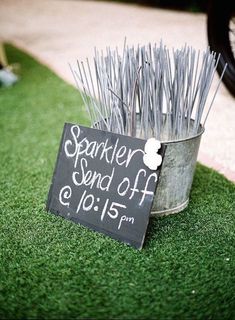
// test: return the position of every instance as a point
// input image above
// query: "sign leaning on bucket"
(106, 181)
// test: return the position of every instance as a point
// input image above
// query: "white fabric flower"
(151, 157)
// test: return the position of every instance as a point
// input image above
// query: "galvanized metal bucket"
(177, 173)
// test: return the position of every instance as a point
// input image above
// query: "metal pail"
(176, 177)
(177, 172)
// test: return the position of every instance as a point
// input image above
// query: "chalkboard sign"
(102, 182)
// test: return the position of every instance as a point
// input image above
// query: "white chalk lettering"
(122, 193)
(145, 191)
(131, 153)
(80, 202)
(92, 147)
(65, 193)
(134, 189)
(114, 150)
(104, 209)
(79, 145)
(91, 179)
(113, 212)
(105, 151)
(70, 143)
(109, 151)
(120, 153)
(86, 206)
(126, 219)
(98, 146)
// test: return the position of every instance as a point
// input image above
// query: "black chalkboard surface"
(101, 182)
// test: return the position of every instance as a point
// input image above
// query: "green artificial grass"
(51, 268)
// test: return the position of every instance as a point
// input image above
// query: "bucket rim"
(202, 129)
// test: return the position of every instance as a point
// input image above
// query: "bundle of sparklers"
(148, 91)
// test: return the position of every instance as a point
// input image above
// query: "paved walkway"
(59, 31)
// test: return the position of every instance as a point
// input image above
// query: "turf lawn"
(54, 269)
